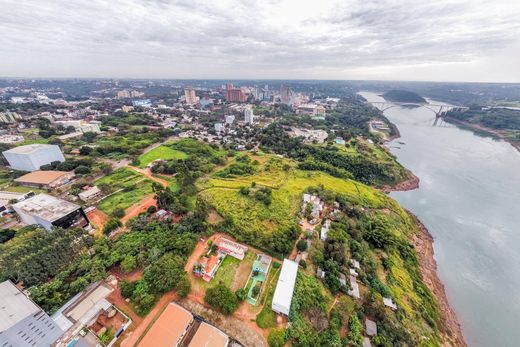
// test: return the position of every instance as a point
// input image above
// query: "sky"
(440, 40)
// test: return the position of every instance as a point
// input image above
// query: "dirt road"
(138, 208)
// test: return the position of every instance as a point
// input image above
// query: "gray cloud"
(250, 39)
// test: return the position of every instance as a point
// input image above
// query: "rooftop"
(41, 177)
(14, 306)
(27, 149)
(169, 328)
(285, 286)
(5, 197)
(46, 207)
(209, 336)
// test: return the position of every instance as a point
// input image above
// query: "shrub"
(82, 170)
(276, 338)
(111, 225)
(241, 294)
(118, 213)
(127, 288)
(302, 245)
(128, 264)
(151, 209)
(222, 298)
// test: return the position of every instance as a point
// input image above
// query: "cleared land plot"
(134, 188)
(161, 152)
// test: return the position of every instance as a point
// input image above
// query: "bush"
(128, 264)
(222, 298)
(127, 288)
(276, 338)
(118, 213)
(82, 170)
(111, 225)
(241, 294)
(151, 209)
(302, 245)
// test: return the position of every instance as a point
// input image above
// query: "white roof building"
(22, 322)
(31, 157)
(325, 230)
(90, 194)
(285, 287)
(48, 211)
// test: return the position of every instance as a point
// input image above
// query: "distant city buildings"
(248, 115)
(81, 125)
(190, 96)
(219, 127)
(9, 117)
(32, 157)
(233, 94)
(125, 94)
(285, 94)
(22, 322)
(230, 119)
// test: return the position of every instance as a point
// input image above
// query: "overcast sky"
(443, 40)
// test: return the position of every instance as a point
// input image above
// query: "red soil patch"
(140, 207)
(98, 218)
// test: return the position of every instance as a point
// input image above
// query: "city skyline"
(459, 40)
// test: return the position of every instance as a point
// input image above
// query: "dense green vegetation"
(332, 160)
(403, 96)
(222, 298)
(505, 120)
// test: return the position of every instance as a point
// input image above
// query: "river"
(469, 199)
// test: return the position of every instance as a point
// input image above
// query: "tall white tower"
(248, 115)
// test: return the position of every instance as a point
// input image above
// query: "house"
(22, 322)
(170, 328)
(388, 302)
(208, 335)
(231, 248)
(317, 204)
(320, 273)
(88, 315)
(49, 211)
(90, 194)
(370, 327)
(325, 230)
(285, 287)
(207, 266)
(366, 342)
(45, 179)
(31, 157)
(6, 198)
(343, 279)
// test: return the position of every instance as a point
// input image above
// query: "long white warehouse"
(31, 157)
(285, 287)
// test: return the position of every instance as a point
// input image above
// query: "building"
(233, 94)
(8, 198)
(45, 179)
(208, 335)
(88, 315)
(190, 96)
(248, 115)
(219, 127)
(388, 302)
(170, 328)
(31, 157)
(228, 247)
(90, 194)
(49, 211)
(11, 139)
(230, 119)
(370, 327)
(285, 287)
(325, 230)
(22, 322)
(9, 117)
(123, 94)
(81, 125)
(285, 94)
(126, 108)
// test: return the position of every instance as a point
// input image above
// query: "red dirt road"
(98, 218)
(140, 207)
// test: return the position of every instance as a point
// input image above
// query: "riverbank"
(450, 326)
(482, 130)
(410, 184)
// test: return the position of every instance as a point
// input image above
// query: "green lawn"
(124, 199)
(121, 178)
(267, 318)
(161, 152)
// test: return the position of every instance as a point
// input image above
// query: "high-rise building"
(233, 94)
(285, 94)
(191, 97)
(122, 94)
(248, 115)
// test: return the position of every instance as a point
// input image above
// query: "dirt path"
(146, 172)
(98, 218)
(140, 207)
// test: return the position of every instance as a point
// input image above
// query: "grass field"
(267, 318)
(255, 218)
(135, 187)
(161, 152)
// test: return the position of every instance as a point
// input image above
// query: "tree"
(302, 245)
(85, 150)
(111, 225)
(82, 170)
(222, 298)
(128, 264)
(118, 213)
(354, 335)
(127, 288)
(164, 274)
(241, 294)
(151, 209)
(276, 338)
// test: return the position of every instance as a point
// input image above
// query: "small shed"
(370, 327)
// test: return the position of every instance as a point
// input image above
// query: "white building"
(22, 322)
(49, 211)
(81, 126)
(285, 287)
(190, 96)
(31, 157)
(248, 115)
(230, 119)
(219, 127)
(325, 230)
